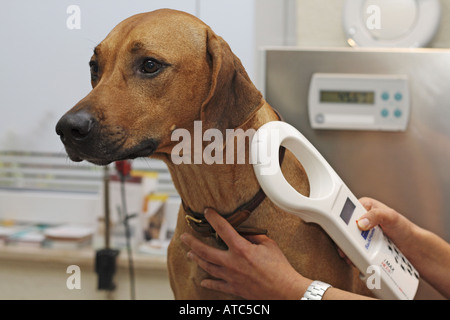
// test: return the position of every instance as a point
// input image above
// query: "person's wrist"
(298, 287)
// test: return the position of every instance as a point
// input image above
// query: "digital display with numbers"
(357, 97)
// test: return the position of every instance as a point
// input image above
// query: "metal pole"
(107, 209)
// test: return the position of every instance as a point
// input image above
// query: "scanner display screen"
(347, 211)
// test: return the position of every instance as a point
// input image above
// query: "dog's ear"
(232, 97)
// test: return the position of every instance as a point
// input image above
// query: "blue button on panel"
(385, 96)
(398, 113)
(384, 112)
(398, 96)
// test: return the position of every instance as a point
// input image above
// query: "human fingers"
(258, 239)
(384, 217)
(203, 250)
(370, 203)
(219, 285)
(394, 225)
(377, 214)
(224, 229)
(212, 269)
(344, 256)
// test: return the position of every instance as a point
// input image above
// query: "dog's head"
(155, 72)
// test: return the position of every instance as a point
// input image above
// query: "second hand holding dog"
(253, 267)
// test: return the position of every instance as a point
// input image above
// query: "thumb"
(367, 221)
(374, 217)
(257, 238)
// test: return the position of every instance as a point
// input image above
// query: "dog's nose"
(75, 126)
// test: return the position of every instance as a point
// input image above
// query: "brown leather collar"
(198, 222)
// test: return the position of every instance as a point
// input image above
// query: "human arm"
(429, 253)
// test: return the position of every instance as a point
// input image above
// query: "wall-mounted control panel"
(359, 101)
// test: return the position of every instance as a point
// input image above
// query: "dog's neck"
(223, 187)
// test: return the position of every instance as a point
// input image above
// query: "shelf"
(80, 257)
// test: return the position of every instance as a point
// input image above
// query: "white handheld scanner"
(333, 206)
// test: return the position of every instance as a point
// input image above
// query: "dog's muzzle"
(85, 138)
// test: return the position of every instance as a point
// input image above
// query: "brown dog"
(166, 69)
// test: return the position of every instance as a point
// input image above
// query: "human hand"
(394, 225)
(429, 253)
(252, 268)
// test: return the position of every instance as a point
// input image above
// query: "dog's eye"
(94, 70)
(150, 66)
(94, 67)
